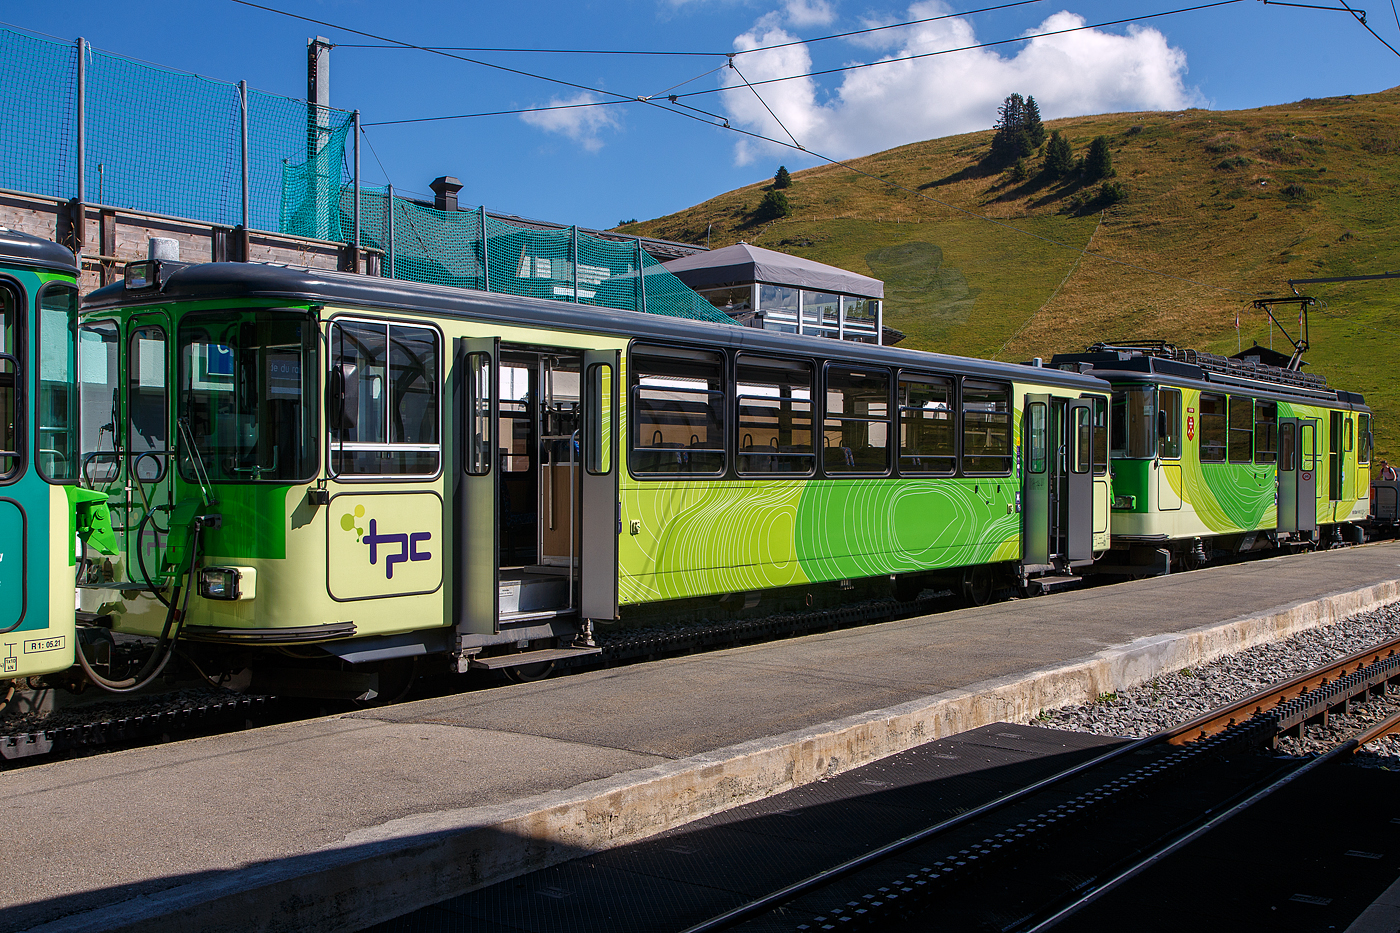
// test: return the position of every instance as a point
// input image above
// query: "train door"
(1079, 480)
(478, 482)
(1336, 462)
(1307, 476)
(147, 444)
(602, 510)
(1039, 476)
(1288, 474)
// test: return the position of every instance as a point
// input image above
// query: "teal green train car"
(322, 477)
(40, 505)
(1214, 456)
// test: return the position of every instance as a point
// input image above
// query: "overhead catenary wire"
(1362, 20)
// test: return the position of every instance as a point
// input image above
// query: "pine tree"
(782, 179)
(1099, 162)
(1035, 130)
(1010, 142)
(1059, 157)
(774, 205)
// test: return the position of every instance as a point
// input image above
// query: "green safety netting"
(38, 150)
(171, 143)
(166, 142)
(470, 249)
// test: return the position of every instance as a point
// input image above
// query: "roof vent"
(163, 248)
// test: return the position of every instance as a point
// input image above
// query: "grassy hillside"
(1222, 207)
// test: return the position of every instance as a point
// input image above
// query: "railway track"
(1034, 859)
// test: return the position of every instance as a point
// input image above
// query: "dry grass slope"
(1222, 207)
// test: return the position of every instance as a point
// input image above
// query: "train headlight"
(228, 583)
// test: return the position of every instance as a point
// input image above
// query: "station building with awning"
(775, 291)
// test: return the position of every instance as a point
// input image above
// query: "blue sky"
(597, 165)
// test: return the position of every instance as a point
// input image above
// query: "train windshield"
(1134, 414)
(247, 383)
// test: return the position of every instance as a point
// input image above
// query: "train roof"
(234, 280)
(31, 250)
(1179, 365)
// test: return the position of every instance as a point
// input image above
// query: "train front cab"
(38, 313)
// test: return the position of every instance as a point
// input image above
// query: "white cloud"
(584, 125)
(809, 12)
(905, 101)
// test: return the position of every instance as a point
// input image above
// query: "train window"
(1363, 432)
(1286, 447)
(600, 431)
(774, 399)
(383, 399)
(1265, 432)
(1081, 448)
(1132, 415)
(11, 428)
(856, 429)
(677, 411)
(57, 411)
(1100, 436)
(1351, 433)
(99, 402)
(1035, 437)
(1241, 429)
(246, 384)
(1213, 428)
(1169, 424)
(986, 435)
(147, 421)
(478, 452)
(927, 439)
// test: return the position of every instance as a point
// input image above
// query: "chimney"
(446, 189)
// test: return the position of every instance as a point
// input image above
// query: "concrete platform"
(342, 822)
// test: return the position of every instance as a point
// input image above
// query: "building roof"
(745, 263)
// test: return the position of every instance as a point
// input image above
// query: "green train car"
(1214, 456)
(354, 473)
(40, 502)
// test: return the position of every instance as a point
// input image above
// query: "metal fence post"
(573, 258)
(641, 281)
(243, 130)
(389, 224)
(78, 206)
(356, 252)
(485, 255)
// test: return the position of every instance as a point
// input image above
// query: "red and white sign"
(1190, 427)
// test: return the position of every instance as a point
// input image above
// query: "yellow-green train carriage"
(363, 472)
(1214, 456)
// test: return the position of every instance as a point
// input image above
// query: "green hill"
(1226, 205)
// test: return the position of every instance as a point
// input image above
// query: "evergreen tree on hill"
(1035, 130)
(1059, 157)
(782, 179)
(1011, 140)
(1099, 162)
(774, 205)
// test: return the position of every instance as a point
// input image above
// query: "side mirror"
(1161, 424)
(342, 398)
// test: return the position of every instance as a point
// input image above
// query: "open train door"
(1079, 469)
(1038, 501)
(477, 532)
(602, 511)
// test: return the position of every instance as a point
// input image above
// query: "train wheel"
(979, 585)
(529, 673)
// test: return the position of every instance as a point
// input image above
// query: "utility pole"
(318, 131)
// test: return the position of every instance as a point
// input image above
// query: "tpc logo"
(407, 543)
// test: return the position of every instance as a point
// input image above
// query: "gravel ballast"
(1175, 698)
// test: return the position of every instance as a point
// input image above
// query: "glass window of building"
(860, 319)
(730, 300)
(821, 314)
(779, 306)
